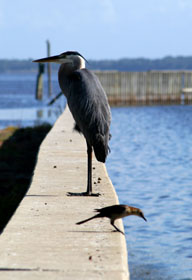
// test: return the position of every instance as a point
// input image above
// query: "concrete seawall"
(42, 240)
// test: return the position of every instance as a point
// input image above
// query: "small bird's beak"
(48, 59)
(142, 216)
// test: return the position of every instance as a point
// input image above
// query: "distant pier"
(145, 88)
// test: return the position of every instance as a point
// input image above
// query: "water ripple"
(151, 167)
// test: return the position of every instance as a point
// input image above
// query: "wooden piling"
(49, 69)
(39, 82)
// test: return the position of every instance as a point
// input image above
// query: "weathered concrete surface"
(42, 241)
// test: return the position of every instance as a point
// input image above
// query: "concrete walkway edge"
(42, 240)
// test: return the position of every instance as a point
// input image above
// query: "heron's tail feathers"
(100, 147)
(84, 221)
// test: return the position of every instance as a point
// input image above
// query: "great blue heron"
(88, 104)
(115, 212)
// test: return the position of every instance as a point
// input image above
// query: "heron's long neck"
(66, 69)
(75, 64)
(79, 62)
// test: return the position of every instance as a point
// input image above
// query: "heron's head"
(72, 58)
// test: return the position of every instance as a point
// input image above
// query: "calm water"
(18, 105)
(150, 165)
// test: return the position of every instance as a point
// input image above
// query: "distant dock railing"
(152, 87)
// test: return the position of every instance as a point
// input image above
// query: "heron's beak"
(55, 59)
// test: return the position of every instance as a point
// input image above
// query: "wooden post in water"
(39, 84)
(49, 69)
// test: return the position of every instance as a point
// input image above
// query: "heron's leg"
(112, 223)
(89, 169)
(89, 176)
(89, 172)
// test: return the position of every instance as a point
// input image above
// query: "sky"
(98, 29)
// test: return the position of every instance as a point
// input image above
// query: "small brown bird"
(115, 212)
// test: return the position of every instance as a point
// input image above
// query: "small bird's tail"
(84, 221)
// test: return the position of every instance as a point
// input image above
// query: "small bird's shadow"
(93, 231)
(83, 194)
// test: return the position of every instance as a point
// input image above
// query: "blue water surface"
(151, 167)
(18, 105)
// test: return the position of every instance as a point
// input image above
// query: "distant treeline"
(124, 64)
(15, 65)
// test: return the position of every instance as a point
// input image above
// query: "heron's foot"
(91, 194)
(83, 194)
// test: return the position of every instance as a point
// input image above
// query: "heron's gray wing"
(89, 107)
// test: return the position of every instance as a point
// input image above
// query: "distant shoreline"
(124, 64)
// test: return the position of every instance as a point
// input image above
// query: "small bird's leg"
(112, 223)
